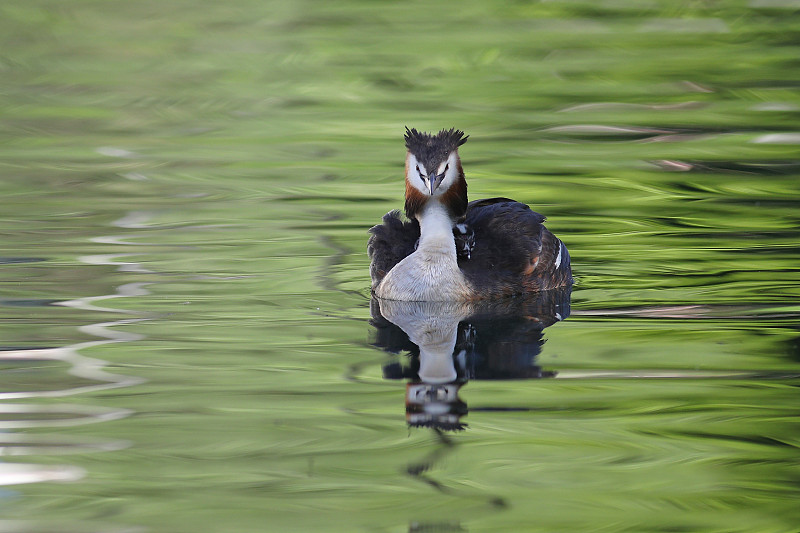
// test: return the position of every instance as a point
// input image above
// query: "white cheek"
(450, 175)
(449, 179)
(412, 176)
(418, 185)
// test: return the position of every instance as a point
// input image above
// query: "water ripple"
(60, 415)
(80, 365)
(19, 473)
(123, 291)
(21, 416)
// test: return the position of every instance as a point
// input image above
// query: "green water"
(186, 326)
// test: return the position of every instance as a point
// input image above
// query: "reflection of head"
(437, 406)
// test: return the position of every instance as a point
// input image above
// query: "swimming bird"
(450, 249)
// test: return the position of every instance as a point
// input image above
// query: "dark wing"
(554, 268)
(513, 251)
(390, 243)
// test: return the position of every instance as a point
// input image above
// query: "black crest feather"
(429, 148)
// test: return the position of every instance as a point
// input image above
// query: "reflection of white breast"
(433, 326)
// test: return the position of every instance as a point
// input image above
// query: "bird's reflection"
(448, 344)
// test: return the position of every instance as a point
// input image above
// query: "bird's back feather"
(390, 243)
(514, 253)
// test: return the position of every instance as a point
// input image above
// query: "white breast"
(425, 276)
(431, 273)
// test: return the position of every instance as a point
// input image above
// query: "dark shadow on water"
(447, 344)
(438, 527)
(18, 260)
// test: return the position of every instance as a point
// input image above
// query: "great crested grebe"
(451, 250)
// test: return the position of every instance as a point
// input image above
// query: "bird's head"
(433, 171)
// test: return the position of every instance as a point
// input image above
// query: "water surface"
(188, 342)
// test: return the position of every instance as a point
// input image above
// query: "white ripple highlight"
(20, 473)
(24, 416)
(80, 365)
(109, 259)
(123, 291)
(60, 415)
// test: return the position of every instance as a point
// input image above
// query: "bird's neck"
(436, 230)
(431, 273)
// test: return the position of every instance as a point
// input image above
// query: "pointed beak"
(434, 180)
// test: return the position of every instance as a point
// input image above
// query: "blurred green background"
(200, 176)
